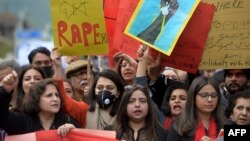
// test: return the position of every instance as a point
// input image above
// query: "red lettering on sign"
(80, 34)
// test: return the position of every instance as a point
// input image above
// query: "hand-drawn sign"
(78, 27)
(228, 42)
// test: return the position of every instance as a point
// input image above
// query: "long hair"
(165, 107)
(31, 107)
(114, 77)
(20, 91)
(122, 120)
(118, 67)
(187, 122)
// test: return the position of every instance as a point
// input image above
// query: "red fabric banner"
(73, 135)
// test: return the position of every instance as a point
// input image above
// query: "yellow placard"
(228, 42)
(79, 27)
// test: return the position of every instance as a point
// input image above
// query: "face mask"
(48, 70)
(105, 99)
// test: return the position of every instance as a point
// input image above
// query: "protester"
(6, 67)
(76, 109)
(126, 67)
(68, 88)
(202, 119)
(41, 57)
(238, 110)
(76, 72)
(104, 98)
(235, 80)
(29, 75)
(135, 119)
(43, 107)
(174, 102)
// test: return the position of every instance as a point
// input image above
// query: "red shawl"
(200, 131)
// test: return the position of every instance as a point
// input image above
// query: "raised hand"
(9, 81)
(56, 57)
(70, 59)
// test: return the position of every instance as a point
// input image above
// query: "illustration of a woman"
(168, 8)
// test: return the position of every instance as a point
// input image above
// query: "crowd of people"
(137, 98)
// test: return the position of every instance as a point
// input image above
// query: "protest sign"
(228, 42)
(79, 27)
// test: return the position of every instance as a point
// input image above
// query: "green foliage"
(5, 49)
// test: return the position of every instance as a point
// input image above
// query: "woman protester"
(104, 98)
(126, 67)
(135, 119)
(202, 119)
(43, 108)
(174, 102)
(238, 110)
(28, 76)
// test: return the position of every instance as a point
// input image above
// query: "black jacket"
(19, 123)
(128, 134)
(174, 136)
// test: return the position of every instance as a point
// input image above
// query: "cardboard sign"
(228, 43)
(122, 42)
(79, 27)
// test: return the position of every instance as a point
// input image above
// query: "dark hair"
(187, 122)
(246, 72)
(122, 120)
(33, 53)
(165, 107)
(113, 76)
(31, 107)
(118, 66)
(76, 96)
(239, 94)
(20, 91)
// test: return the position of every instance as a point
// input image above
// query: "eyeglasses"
(205, 95)
(79, 74)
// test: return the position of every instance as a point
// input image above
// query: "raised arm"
(11, 122)
(77, 110)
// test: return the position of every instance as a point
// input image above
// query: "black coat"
(174, 136)
(19, 123)
(128, 134)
